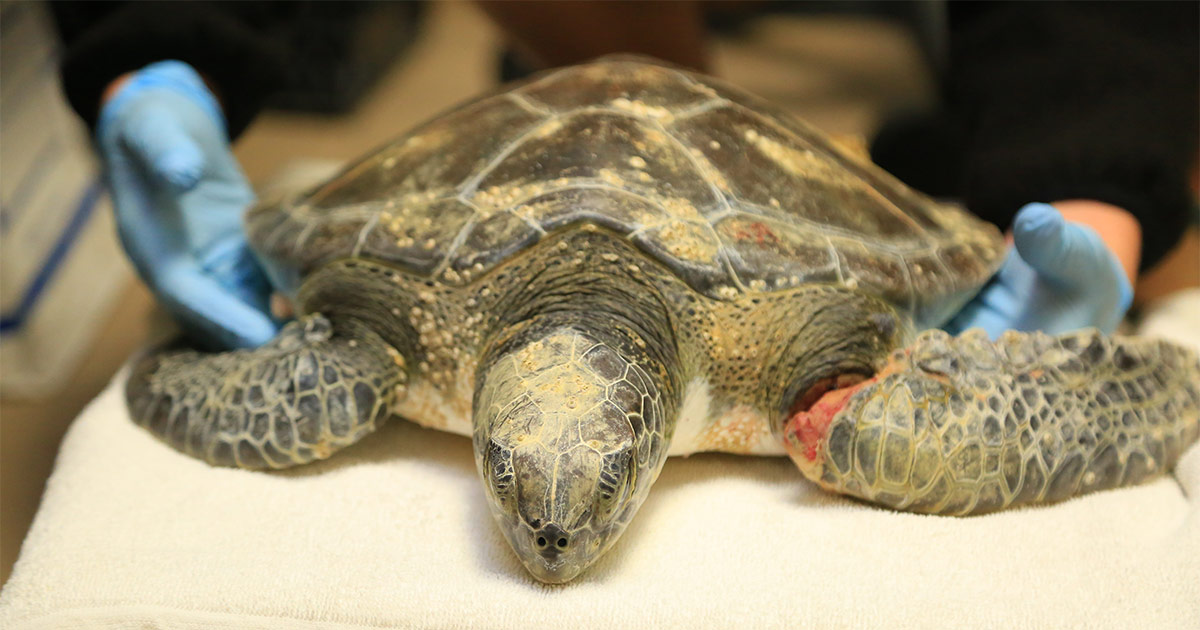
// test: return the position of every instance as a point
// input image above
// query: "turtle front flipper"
(966, 426)
(308, 393)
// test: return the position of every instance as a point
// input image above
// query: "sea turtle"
(620, 261)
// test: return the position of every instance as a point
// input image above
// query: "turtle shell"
(730, 193)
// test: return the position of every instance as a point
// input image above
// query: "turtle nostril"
(551, 540)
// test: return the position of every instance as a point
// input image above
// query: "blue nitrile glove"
(1059, 277)
(179, 196)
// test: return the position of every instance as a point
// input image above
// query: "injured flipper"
(311, 391)
(964, 425)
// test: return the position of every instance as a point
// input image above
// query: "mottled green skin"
(606, 264)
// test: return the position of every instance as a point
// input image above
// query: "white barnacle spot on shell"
(470, 302)
(726, 292)
(353, 343)
(450, 275)
(799, 162)
(429, 244)
(774, 202)
(396, 311)
(426, 296)
(396, 357)
(681, 208)
(634, 269)
(637, 162)
(549, 127)
(389, 162)
(608, 176)
(477, 267)
(640, 109)
(610, 257)
(852, 283)
(415, 311)
(562, 245)
(423, 366)
(645, 177)
(758, 285)
(714, 144)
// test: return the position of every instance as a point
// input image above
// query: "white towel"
(395, 532)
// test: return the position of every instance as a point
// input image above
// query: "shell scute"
(593, 148)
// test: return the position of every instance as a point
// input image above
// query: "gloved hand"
(1059, 277)
(179, 196)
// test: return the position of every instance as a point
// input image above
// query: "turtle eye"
(616, 477)
(498, 465)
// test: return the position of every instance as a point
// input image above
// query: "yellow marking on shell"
(611, 177)
(687, 241)
(642, 110)
(396, 357)
(804, 163)
(548, 128)
(726, 292)
(681, 208)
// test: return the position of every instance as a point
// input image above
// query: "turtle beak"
(551, 554)
(552, 571)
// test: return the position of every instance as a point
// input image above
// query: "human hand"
(178, 196)
(1060, 276)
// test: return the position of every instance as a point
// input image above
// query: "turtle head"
(559, 507)
(564, 451)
